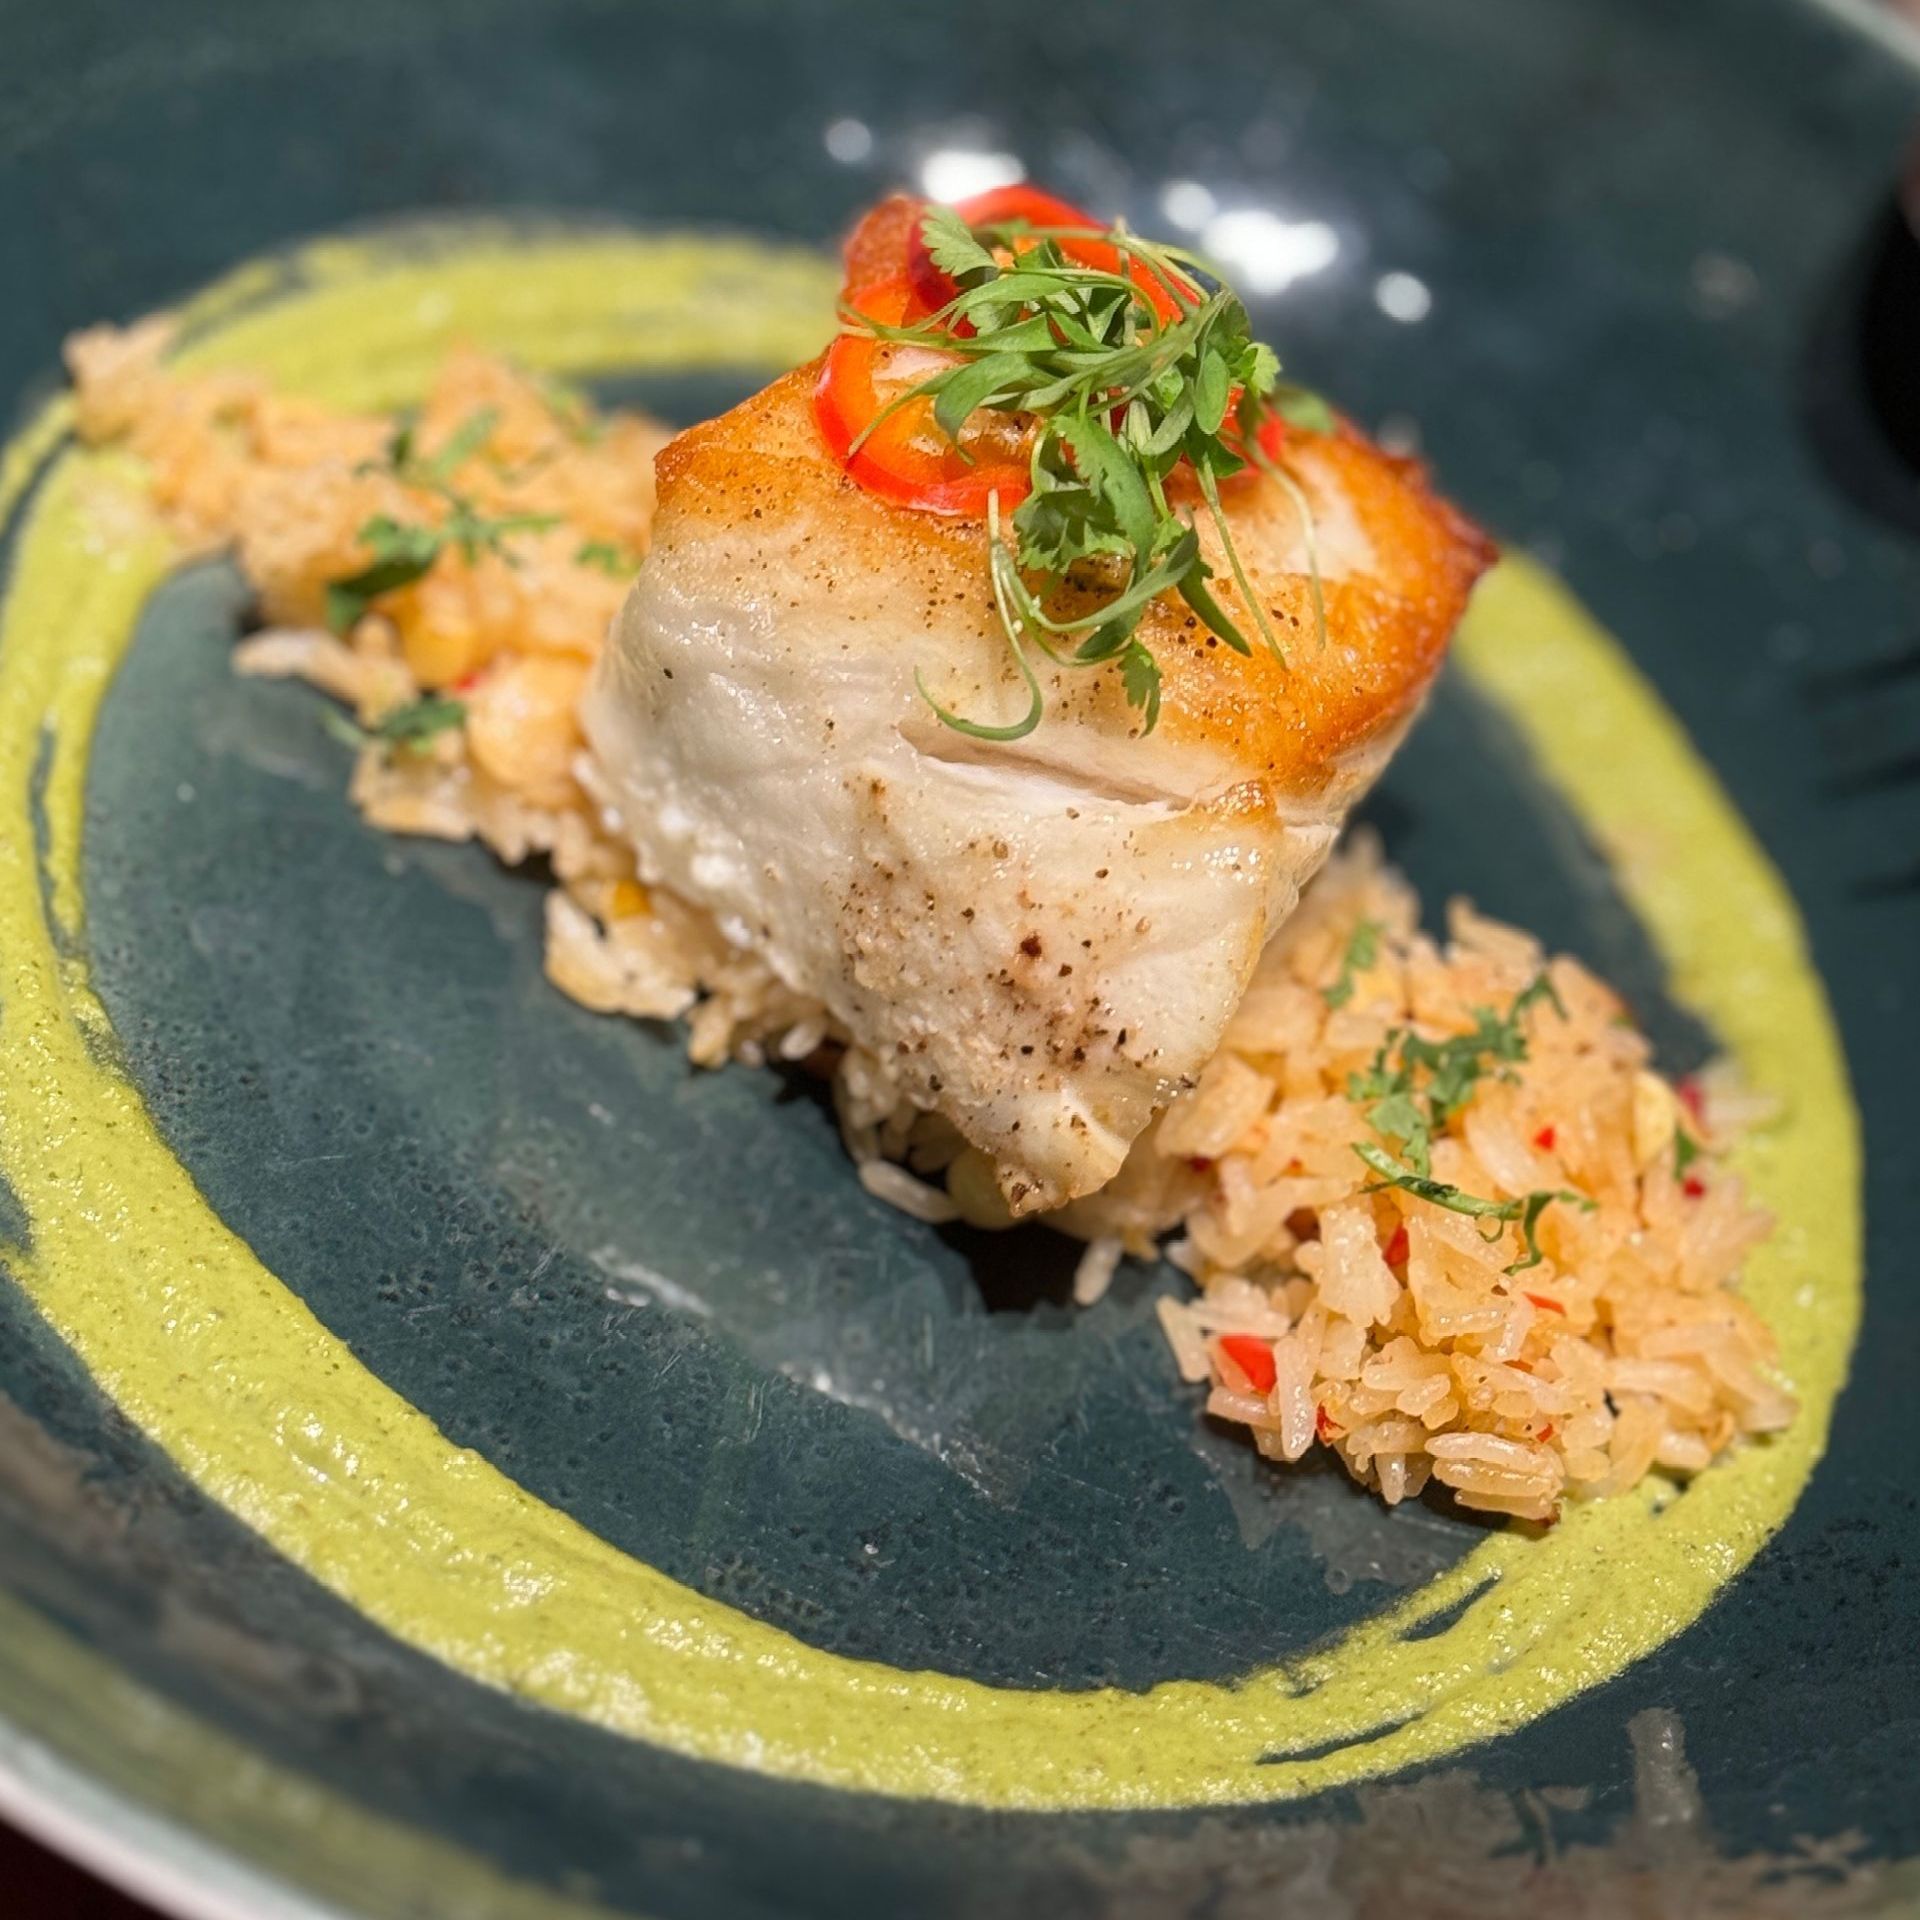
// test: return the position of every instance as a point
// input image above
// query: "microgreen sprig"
(404, 551)
(1124, 375)
(1414, 1086)
(1362, 950)
(410, 727)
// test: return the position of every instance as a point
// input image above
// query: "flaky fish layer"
(1045, 938)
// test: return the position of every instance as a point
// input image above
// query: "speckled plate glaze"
(456, 1461)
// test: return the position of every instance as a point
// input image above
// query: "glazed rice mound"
(1574, 1328)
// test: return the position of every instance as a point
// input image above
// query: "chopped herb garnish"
(404, 551)
(408, 728)
(402, 455)
(607, 557)
(572, 410)
(467, 439)
(475, 533)
(1123, 375)
(1526, 1210)
(1414, 1086)
(1686, 1150)
(402, 554)
(420, 720)
(399, 447)
(1363, 949)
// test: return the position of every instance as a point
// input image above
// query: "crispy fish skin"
(1043, 939)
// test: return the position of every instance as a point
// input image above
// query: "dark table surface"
(42, 1886)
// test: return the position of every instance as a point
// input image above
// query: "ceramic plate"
(456, 1460)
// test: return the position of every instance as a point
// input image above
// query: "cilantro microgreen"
(1686, 1150)
(460, 446)
(408, 728)
(952, 247)
(573, 411)
(1125, 373)
(419, 720)
(1140, 674)
(404, 551)
(1363, 949)
(1414, 1086)
(399, 446)
(1301, 407)
(401, 553)
(606, 556)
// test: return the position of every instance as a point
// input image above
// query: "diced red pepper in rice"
(1544, 1139)
(1253, 1357)
(1398, 1246)
(1544, 1302)
(1693, 1186)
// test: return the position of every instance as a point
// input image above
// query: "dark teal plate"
(486, 1468)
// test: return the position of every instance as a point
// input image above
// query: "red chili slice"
(883, 238)
(906, 458)
(999, 206)
(992, 208)
(1253, 1357)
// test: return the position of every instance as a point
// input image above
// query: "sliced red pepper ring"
(905, 458)
(883, 238)
(1000, 206)
(1253, 1357)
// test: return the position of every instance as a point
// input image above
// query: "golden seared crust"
(1388, 620)
(1397, 567)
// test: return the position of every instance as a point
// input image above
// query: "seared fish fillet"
(1044, 939)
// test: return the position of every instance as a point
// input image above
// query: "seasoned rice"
(1418, 1343)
